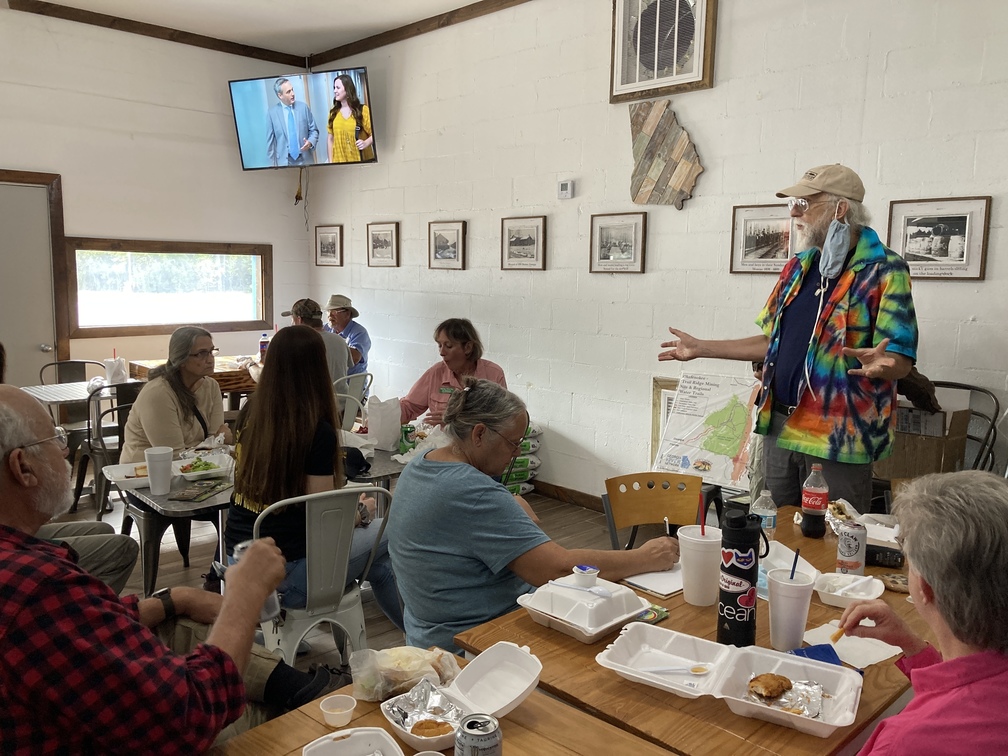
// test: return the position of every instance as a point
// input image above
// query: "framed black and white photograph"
(523, 243)
(662, 47)
(329, 245)
(762, 241)
(383, 245)
(617, 242)
(446, 244)
(945, 237)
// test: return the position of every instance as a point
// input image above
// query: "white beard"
(813, 234)
(55, 494)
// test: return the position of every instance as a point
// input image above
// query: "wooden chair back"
(647, 498)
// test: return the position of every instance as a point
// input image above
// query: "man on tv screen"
(292, 133)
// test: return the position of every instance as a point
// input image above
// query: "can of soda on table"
(271, 609)
(852, 544)
(407, 438)
(478, 735)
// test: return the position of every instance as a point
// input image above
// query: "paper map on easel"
(707, 433)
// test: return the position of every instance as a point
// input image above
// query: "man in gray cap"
(341, 320)
(838, 331)
(307, 312)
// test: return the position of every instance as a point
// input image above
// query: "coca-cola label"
(743, 559)
(815, 501)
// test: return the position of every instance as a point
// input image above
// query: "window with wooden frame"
(127, 287)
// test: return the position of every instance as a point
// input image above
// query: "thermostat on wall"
(565, 189)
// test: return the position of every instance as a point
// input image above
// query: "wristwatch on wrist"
(164, 596)
(364, 514)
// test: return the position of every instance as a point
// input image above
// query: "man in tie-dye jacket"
(833, 346)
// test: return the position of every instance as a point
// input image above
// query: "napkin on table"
(858, 652)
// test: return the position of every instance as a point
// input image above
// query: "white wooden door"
(27, 329)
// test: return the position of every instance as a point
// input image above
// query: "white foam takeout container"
(358, 741)
(118, 475)
(641, 646)
(224, 462)
(579, 614)
(494, 683)
(829, 583)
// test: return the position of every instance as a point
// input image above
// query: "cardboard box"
(915, 454)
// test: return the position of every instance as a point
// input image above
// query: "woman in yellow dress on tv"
(350, 134)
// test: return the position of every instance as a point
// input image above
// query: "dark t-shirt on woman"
(287, 528)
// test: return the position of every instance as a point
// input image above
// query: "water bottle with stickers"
(740, 555)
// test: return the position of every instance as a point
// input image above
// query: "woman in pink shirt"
(461, 355)
(954, 529)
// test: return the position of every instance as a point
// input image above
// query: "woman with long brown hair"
(288, 446)
(350, 131)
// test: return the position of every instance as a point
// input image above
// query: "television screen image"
(328, 112)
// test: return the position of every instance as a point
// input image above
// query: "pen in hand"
(668, 530)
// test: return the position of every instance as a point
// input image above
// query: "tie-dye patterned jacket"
(843, 417)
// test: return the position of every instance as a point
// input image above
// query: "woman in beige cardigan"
(181, 404)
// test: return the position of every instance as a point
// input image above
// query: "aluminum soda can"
(407, 438)
(271, 609)
(479, 735)
(852, 543)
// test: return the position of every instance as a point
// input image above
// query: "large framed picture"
(329, 245)
(617, 242)
(383, 245)
(662, 47)
(945, 237)
(523, 243)
(761, 238)
(446, 244)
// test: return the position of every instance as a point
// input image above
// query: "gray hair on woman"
(954, 528)
(480, 401)
(461, 331)
(180, 346)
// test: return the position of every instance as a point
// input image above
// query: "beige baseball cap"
(833, 179)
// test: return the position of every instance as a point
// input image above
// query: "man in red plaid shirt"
(84, 671)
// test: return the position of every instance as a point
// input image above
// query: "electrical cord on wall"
(298, 196)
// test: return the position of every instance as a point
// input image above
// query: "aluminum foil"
(424, 701)
(804, 698)
(834, 522)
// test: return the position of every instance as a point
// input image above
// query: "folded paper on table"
(662, 584)
(858, 652)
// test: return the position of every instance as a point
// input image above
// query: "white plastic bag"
(383, 423)
(379, 675)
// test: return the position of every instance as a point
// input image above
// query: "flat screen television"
(267, 110)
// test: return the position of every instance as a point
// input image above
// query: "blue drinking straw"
(794, 564)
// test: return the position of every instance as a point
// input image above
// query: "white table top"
(59, 393)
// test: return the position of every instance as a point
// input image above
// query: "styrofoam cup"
(789, 606)
(700, 556)
(338, 710)
(159, 459)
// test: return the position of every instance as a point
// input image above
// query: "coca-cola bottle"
(814, 502)
(740, 547)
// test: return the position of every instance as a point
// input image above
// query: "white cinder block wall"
(479, 121)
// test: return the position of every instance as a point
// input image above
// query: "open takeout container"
(494, 683)
(829, 584)
(582, 615)
(124, 476)
(359, 741)
(641, 646)
(224, 462)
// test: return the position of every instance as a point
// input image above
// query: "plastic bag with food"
(379, 675)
